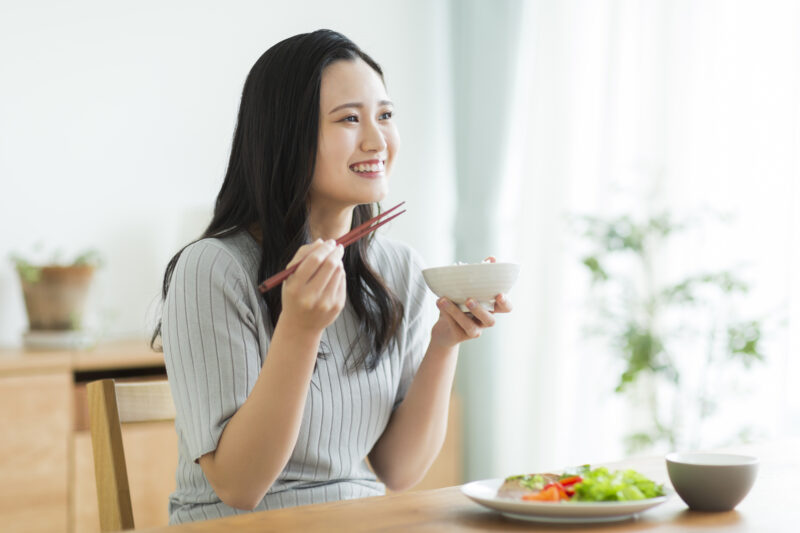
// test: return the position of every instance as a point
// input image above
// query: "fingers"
(312, 261)
(502, 304)
(481, 314)
(303, 252)
(331, 295)
(471, 329)
(315, 294)
(340, 289)
(327, 269)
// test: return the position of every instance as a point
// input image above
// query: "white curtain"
(485, 47)
(631, 107)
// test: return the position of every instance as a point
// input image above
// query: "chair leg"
(111, 475)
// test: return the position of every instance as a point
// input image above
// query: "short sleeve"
(210, 343)
(419, 317)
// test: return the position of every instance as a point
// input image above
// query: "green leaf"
(89, 257)
(641, 349)
(682, 292)
(743, 339)
(637, 442)
(28, 272)
(597, 271)
(25, 266)
(687, 291)
(726, 281)
(662, 225)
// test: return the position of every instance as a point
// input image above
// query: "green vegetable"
(600, 485)
(530, 481)
(581, 470)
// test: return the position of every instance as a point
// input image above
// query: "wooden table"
(773, 505)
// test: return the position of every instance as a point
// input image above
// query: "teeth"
(366, 167)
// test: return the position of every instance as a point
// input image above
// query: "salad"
(584, 484)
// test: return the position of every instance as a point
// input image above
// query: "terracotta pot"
(56, 300)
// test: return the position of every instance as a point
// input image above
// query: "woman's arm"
(416, 431)
(259, 438)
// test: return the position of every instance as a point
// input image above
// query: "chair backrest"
(112, 404)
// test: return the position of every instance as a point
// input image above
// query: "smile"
(371, 167)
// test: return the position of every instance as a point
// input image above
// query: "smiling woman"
(280, 398)
(358, 140)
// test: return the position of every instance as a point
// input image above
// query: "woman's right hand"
(315, 294)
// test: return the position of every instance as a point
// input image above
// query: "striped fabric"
(215, 338)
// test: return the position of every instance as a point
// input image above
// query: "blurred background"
(640, 159)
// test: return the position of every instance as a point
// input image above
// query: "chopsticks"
(362, 230)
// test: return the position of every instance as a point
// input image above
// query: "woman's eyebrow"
(358, 105)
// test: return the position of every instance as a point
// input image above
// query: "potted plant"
(55, 296)
(675, 339)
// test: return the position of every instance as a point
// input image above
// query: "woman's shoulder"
(394, 258)
(230, 255)
(388, 251)
(399, 264)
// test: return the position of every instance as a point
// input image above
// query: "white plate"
(485, 493)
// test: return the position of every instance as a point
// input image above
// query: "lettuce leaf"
(602, 485)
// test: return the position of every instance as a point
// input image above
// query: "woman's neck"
(325, 223)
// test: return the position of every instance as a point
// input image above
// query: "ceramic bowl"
(711, 481)
(480, 281)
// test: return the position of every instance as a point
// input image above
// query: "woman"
(281, 398)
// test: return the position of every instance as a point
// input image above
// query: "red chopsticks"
(345, 240)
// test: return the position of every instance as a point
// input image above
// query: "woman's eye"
(385, 116)
(350, 118)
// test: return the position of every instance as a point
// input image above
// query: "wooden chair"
(112, 404)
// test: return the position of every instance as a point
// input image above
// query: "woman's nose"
(373, 139)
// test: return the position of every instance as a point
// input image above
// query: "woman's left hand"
(455, 326)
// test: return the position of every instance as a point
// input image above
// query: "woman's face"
(357, 137)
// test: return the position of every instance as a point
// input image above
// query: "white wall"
(116, 121)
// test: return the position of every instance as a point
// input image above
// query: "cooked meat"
(515, 486)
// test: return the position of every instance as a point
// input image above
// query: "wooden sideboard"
(46, 460)
(46, 453)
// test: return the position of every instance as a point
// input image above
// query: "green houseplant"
(675, 340)
(55, 292)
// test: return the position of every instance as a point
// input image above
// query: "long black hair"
(269, 177)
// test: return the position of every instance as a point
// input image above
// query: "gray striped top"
(215, 335)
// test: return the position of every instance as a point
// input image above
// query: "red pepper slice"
(567, 481)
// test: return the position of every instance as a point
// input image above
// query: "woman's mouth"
(369, 169)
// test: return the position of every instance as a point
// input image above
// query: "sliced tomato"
(552, 492)
(561, 490)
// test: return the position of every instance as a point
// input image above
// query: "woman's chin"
(375, 195)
